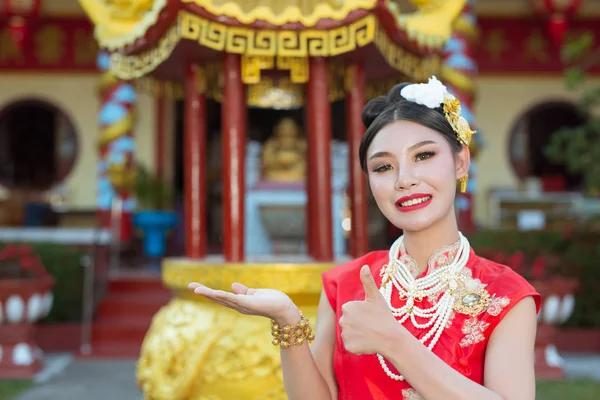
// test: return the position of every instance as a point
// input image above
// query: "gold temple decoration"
(252, 67)
(135, 66)
(119, 23)
(281, 43)
(431, 25)
(280, 12)
(233, 357)
(298, 67)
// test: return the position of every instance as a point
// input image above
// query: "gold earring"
(463, 183)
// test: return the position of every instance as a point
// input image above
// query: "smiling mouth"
(413, 202)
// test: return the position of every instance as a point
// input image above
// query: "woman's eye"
(425, 155)
(382, 168)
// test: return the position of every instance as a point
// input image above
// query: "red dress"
(463, 342)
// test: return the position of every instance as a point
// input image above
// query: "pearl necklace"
(443, 279)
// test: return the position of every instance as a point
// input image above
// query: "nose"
(406, 179)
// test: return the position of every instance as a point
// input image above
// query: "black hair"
(384, 110)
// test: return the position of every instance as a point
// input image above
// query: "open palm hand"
(268, 303)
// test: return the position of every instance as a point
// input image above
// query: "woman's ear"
(463, 162)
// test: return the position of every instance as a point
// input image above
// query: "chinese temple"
(253, 110)
(273, 55)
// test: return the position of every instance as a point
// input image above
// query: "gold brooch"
(471, 302)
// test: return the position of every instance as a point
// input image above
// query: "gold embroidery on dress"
(411, 394)
(439, 258)
(497, 304)
(470, 296)
(473, 330)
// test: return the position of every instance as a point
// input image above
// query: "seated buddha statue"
(284, 154)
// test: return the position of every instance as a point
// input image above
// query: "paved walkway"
(115, 380)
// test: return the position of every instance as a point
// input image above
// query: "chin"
(416, 221)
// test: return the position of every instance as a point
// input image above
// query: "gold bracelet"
(289, 334)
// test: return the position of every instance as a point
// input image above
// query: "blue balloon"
(124, 144)
(111, 113)
(125, 94)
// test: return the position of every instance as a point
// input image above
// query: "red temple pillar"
(355, 99)
(319, 158)
(195, 165)
(159, 147)
(233, 114)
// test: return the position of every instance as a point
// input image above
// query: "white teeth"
(414, 201)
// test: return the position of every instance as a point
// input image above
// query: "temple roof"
(143, 34)
(308, 13)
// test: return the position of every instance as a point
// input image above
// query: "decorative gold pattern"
(119, 23)
(136, 66)
(252, 67)
(286, 43)
(441, 257)
(411, 394)
(474, 328)
(411, 65)
(282, 44)
(196, 349)
(280, 12)
(452, 111)
(298, 67)
(470, 295)
(279, 95)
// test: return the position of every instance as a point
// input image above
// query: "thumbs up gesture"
(368, 324)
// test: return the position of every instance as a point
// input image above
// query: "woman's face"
(412, 174)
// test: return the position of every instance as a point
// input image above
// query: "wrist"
(291, 316)
(394, 339)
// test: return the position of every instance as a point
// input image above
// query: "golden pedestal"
(198, 350)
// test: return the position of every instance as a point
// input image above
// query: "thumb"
(371, 290)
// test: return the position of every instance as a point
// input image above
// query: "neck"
(422, 244)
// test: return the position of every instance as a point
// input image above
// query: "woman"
(427, 320)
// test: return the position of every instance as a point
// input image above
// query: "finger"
(192, 286)
(371, 290)
(240, 288)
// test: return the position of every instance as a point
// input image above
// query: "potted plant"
(25, 298)
(548, 274)
(155, 215)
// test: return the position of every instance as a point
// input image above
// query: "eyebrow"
(411, 148)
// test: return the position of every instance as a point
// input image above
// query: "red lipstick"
(417, 205)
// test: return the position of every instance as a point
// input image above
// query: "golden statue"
(284, 154)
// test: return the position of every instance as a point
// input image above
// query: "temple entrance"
(268, 128)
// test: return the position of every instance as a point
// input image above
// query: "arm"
(509, 373)
(306, 375)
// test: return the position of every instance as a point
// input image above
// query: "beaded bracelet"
(289, 335)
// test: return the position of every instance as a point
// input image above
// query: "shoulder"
(345, 278)
(503, 283)
(350, 269)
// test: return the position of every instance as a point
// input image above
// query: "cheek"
(380, 186)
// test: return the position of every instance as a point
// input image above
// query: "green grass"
(9, 389)
(568, 390)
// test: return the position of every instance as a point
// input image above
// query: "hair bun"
(376, 106)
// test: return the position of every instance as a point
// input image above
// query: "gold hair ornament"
(292, 335)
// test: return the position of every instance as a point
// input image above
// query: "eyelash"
(419, 157)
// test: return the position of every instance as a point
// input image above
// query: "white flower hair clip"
(432, 95)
